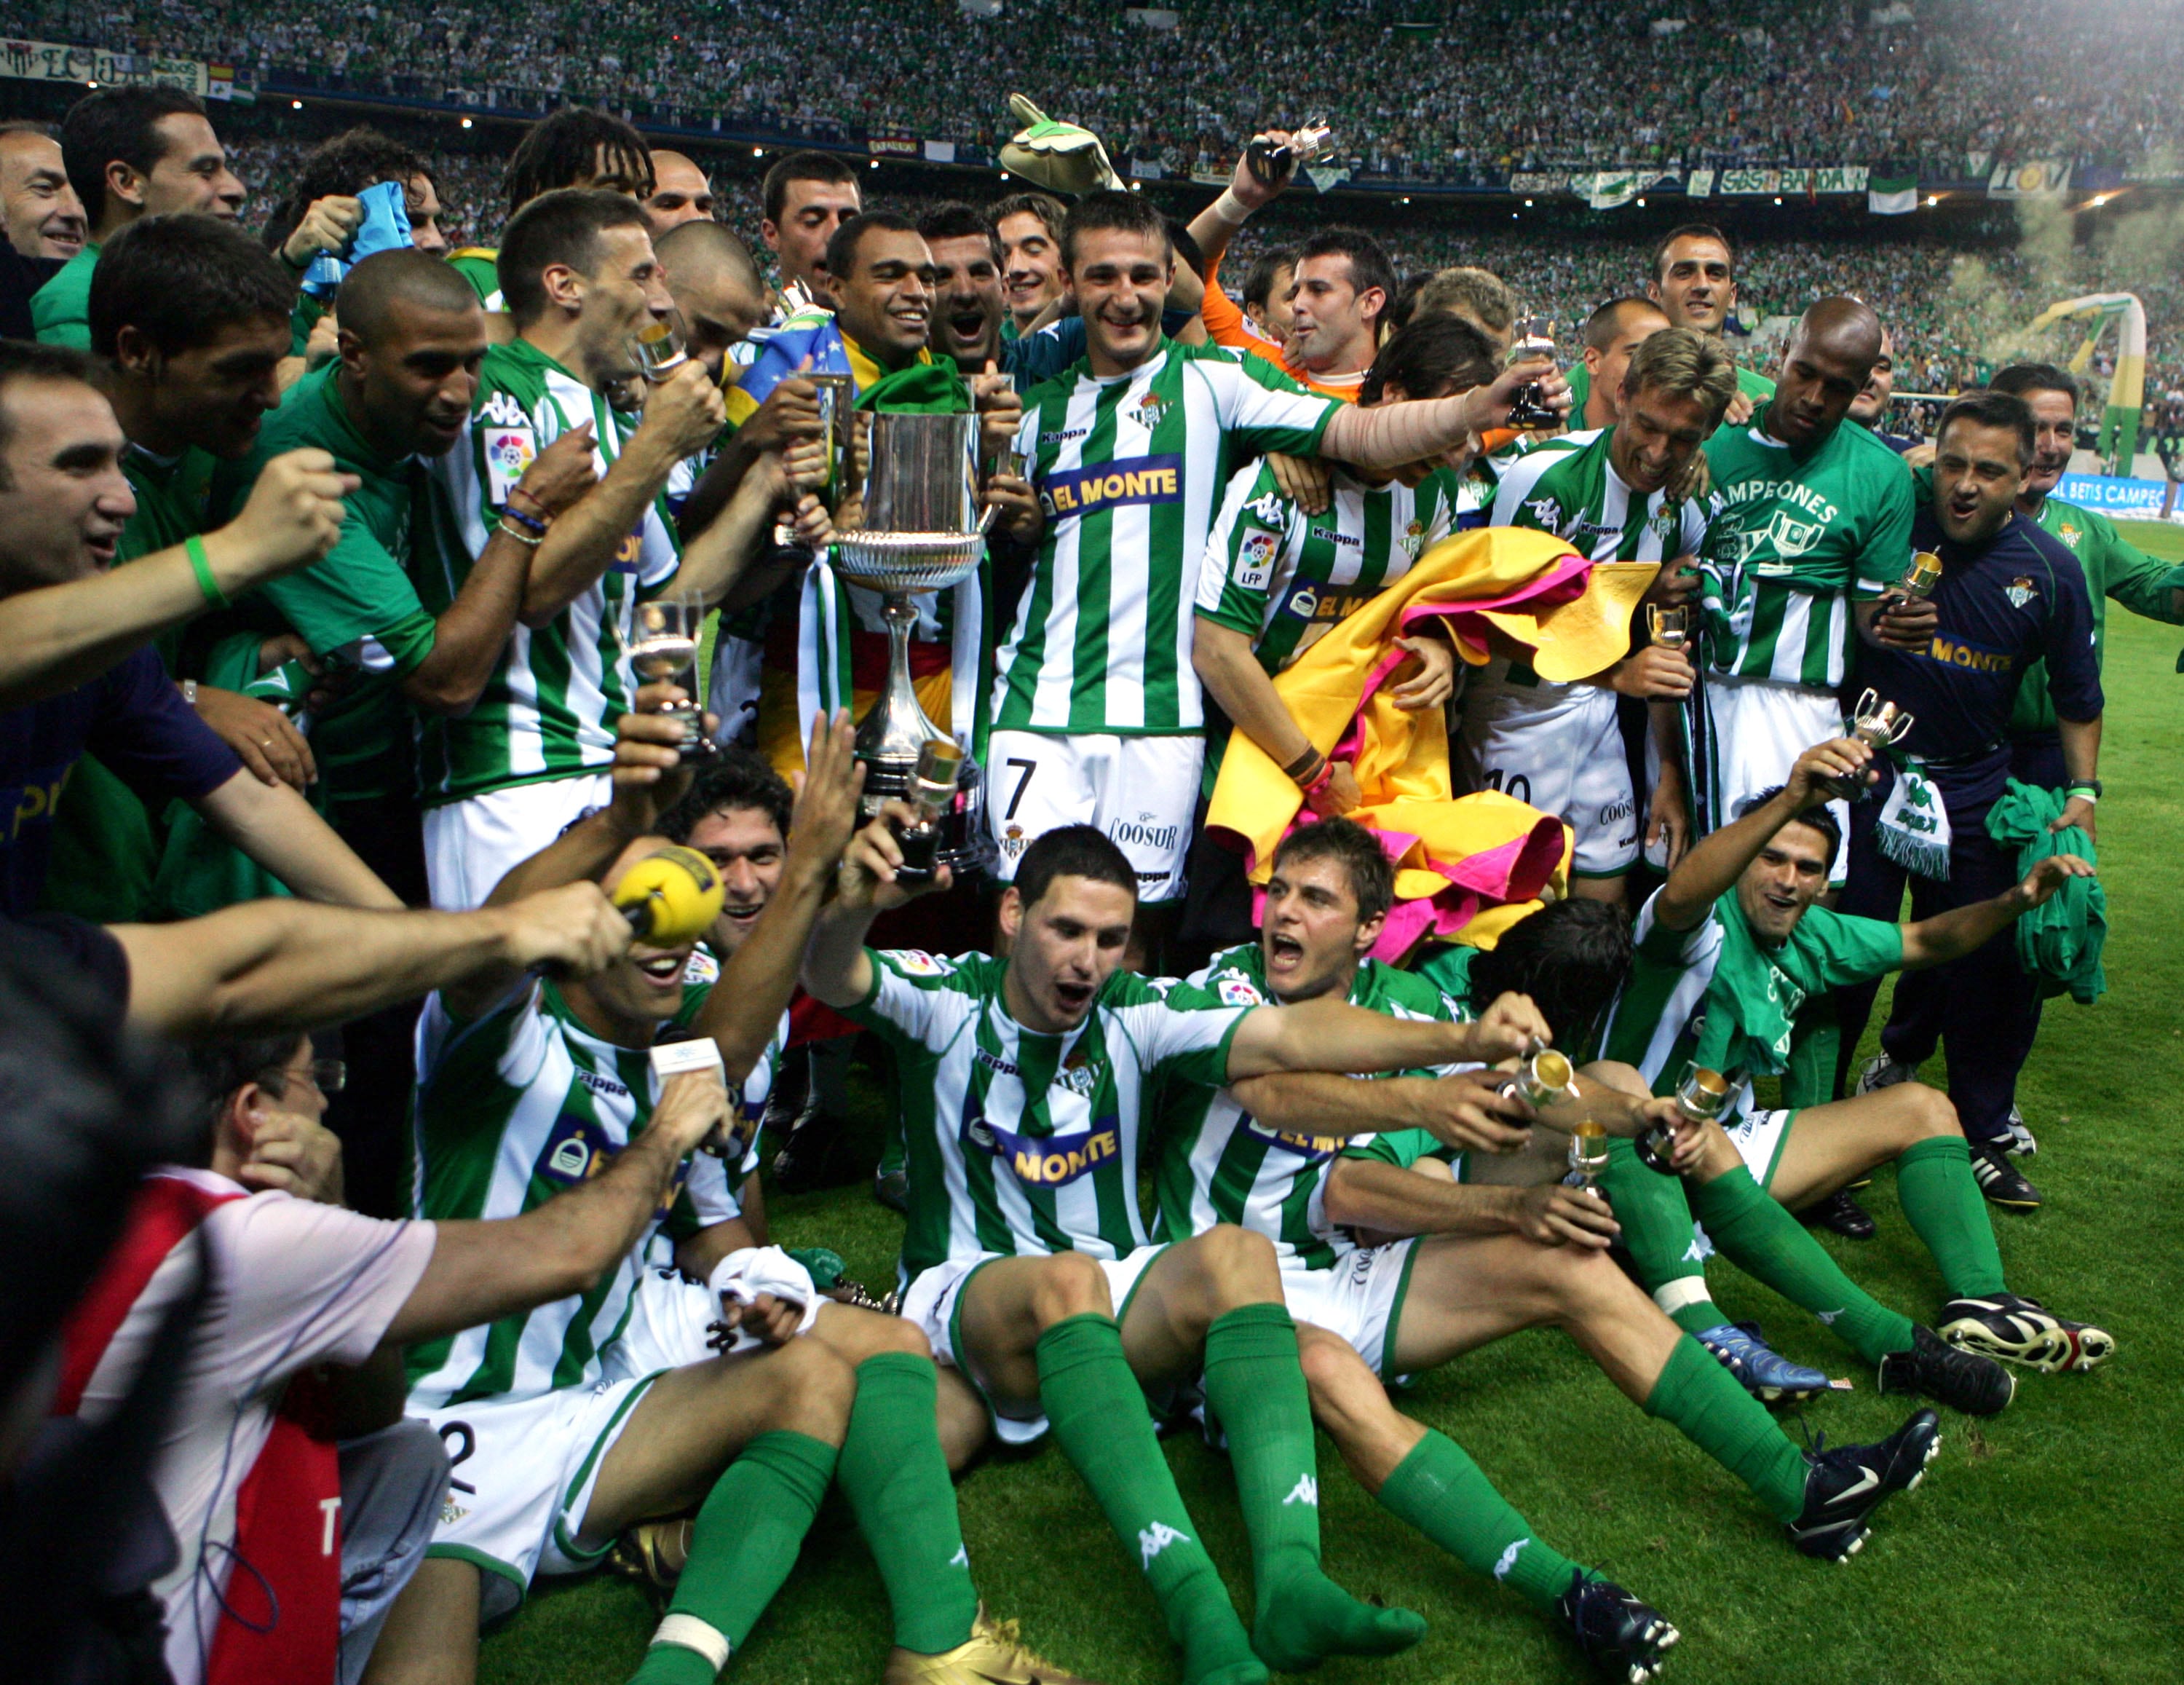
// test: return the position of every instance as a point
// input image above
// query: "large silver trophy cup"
(918, 477)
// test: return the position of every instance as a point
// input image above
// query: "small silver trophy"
(1588, 1157)
(1544, 1077)
(1670, 628)
(918, 481)
(1921, 578)
(1528, 405)
(664, 648)
(1702, 1095)
(1271, 162)
(1876, 724)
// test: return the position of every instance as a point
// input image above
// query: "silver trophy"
(1670, 628)
(1877, 725)
(917, 478)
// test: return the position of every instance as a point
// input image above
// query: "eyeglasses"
(328, 1076)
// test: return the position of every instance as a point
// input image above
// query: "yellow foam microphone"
(670, 897)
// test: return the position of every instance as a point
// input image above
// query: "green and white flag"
(1605, 189)
(1892, 195)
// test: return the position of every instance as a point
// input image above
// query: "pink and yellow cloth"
(1471, 865)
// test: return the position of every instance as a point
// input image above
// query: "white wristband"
(1230, 209)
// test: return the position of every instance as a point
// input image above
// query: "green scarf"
(920, 389)
(2058, 944)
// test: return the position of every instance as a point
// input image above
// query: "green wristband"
(2085, 790)
(194, 546)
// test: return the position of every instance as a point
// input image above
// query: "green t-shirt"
(60, 309)
(1793, 539)
(1715, 996)
(479, 265)
(1021, 1142)
(2113, 568)
(1130, 471)
(513, 1106)
(1218, 1164)
(356, 608)
(549, 708)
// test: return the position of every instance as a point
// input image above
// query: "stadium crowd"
(1487, 83)
(1388, 788)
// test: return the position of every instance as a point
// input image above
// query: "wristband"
(531, 523)
(193, 547)
(1320, 782)
(1230, 209)
(2085, 793)
(529, 541)
(1299, 770)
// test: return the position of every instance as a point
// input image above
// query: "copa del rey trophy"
(923, 531)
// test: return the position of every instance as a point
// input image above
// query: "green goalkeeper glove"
(1060, 157)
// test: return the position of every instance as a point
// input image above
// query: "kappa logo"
(2020, 592)
(1508, 1559)
(504, 410)
(1306, 1490)
(1268, 511)
(1157, 1538)
(1546, 514)
(603, 1085)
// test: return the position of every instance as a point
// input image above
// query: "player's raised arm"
(1711, 869)
(1328, 1035)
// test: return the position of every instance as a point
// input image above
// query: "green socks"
(1754, 1232)
(748, 1534)
(1657, 1228)
(1946, 1208)
(1440, 1491)
(896, 1475)
(1255, 1389)
(1098, 1417)
(1709, 1407)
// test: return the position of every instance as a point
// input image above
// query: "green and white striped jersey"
(549, 710)
(1283, 577)
(1792, 541)
(1218, 1164)
(1022, 1142)
(1715, 996)
(1568, 486)
(1130, 471)
(512, 1108)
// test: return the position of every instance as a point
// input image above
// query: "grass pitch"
(2045, 1544)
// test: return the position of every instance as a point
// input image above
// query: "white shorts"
(1565, 759)
(471, 845)
(934, 1301)
(669, 1326)
(1756, 731)
(520, 1478)
(1758, 1138)
(1142, 791)
(1359, 1297)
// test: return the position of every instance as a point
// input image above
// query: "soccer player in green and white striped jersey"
(1811, 517)
(574, 1418)
(1096, 708)
(580, 280)
(1275, 578)
(1024, 1083)
(1295, 1157)
(1607, 494)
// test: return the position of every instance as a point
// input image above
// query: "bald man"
(1814, 516)
(680, 192)
(718, 289)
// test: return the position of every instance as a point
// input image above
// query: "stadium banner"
(1892, 195)
(1841, 178)
(1699, 184)
(1749, 181)
(48, 61)
(1530, 182)
(1605, 189)
(2040, 178)
(1210, 178)
(895, 146)
(1324, 177)
(2112, 495)
(940, 152)
(1147, 168)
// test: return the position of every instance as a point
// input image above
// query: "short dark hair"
(1604, 323)
(1570, 958)
(953, 220)
(1072, 851)
(353, 161)
(802, 166)
(1428, 353)
(1991, 409)
(563, 149)
(1356, 851)
(1818, 816)
(2020, 380)
(842, 244)
(1049, 210)
(561, 227)
(737, 777)
(1402, 308)
(116, 123)
(1370, 265)
(220, 1068)
(1259, 279)
(1692, 231)
(377, 282)
(180, 280)
(1108, 210)
(22, 360)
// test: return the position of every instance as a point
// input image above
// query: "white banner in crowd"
(2112, 495)
(50, 61)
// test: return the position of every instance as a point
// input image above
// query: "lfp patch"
(508, 451)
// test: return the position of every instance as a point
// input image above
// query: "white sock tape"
(694, 1634)
(1684, 1291)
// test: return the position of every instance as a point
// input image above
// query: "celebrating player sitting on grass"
(1304, 1158)
(1727, 952)
(1030, 1267)
(607, 1408)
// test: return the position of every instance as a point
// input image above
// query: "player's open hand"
(827, 792)
(1306, 481)
(1556, 1216)
(290, 1154)
(1432, 680)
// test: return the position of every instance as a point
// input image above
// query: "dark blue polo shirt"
(2017, 599)
(134, 720)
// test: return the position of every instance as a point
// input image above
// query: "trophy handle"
(1867, 701)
